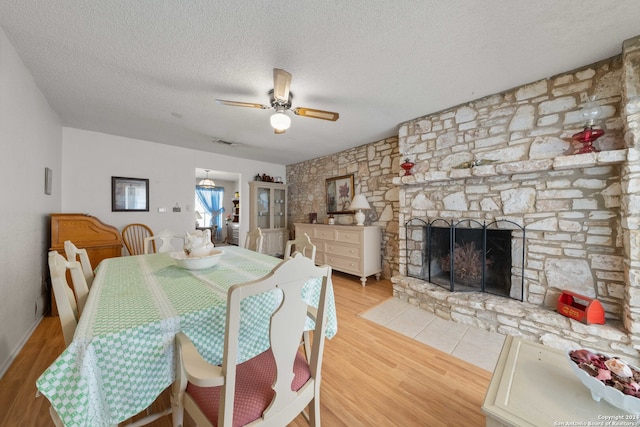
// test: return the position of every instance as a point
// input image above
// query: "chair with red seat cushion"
(273, 387)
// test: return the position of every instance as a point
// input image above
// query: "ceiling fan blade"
(241, 104)
(281, 85)
(316, 114)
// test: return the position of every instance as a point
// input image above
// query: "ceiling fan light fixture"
(280, 100)
(280, 121)
(207, 182)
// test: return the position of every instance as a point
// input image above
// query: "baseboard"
(7, 363)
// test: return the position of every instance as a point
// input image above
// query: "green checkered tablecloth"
(122, 354)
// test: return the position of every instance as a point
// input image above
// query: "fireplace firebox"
(468, 256)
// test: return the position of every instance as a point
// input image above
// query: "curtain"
(211, 199)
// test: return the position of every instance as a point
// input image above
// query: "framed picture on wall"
(129, 194)
(339, 194)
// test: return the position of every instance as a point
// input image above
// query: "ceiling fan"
(280, 100)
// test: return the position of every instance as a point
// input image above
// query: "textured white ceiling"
(151, 69)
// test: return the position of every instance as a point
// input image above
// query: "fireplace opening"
(468, 256)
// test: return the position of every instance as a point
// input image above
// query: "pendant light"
(207, 182)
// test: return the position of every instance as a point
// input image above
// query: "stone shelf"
(575, 161)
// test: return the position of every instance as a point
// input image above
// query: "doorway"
(214, 206)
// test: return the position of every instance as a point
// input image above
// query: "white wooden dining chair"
(273, 387)
(254, 240)
(165, 241)
(68, 308)
(72, 253)
(301, 244)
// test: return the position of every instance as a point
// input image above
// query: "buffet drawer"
(343, 264)
(342, 250)
(348, 236)
(323, 234)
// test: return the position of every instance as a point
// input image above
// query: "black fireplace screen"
(467, 256)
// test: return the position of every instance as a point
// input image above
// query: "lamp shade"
(280, 121)
(359, 202)
(207, 182)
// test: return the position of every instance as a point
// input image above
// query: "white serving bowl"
(600, 390)
(345, 220)
(197, 262)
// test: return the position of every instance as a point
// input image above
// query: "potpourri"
(611, 371)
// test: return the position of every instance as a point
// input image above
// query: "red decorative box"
(582, 308)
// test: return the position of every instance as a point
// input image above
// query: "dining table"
(122, 356)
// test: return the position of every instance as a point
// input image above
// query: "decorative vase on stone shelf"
(407, 165)
(586, 138)
(591, 112)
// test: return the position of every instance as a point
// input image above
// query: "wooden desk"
(86, 232)
(534, 385)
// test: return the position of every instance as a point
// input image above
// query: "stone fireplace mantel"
(575, 161)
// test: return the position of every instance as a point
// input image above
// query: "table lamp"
(359, 202)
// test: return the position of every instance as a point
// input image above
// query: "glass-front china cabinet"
(269, 212)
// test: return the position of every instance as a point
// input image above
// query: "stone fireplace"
(468, 256)
(510, 157)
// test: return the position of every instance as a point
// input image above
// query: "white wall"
(90, 159)
(30, 140)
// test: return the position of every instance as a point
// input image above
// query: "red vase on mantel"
(407, 165)
(586, 138)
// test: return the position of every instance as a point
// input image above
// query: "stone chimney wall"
(630, 183)
(581, 212)
(570, 210)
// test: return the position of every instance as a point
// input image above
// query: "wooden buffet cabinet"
(85, 231)
(351, 249)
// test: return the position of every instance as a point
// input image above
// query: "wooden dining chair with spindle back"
(133, 236)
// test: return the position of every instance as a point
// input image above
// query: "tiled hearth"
(474, 345)
(580, 212)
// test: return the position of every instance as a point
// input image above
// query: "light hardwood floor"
(372, 376)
